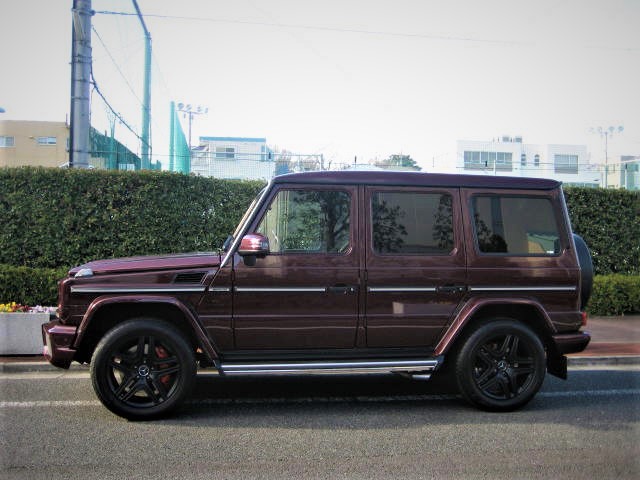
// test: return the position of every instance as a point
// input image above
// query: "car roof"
(422, 179)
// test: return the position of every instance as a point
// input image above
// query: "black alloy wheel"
(143, 369)
(501, 366)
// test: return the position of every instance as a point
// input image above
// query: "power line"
(116, 114)
(322, 28)
(116, 65)
(452, 38)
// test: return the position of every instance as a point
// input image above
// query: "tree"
(404, 161)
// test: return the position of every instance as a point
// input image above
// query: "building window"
(225, 152)
(536, 160)
(47, 140)
(487, 160)
(523, 160)
(7, 141)
(565, 163)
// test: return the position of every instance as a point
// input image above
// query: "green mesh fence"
(179, 156)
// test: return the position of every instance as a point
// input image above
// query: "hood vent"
(195, 277)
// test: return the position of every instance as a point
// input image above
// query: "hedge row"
(615, 295)
(29, 286)
(63, 217)
(609, 221)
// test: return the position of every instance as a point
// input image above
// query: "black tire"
(143, 369)
(586, 269)
(500, 366)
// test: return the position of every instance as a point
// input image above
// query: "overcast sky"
(344, 78)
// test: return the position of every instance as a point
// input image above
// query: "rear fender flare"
(473, 306)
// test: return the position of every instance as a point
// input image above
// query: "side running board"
(419, 367)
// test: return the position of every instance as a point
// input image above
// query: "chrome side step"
(422, 367)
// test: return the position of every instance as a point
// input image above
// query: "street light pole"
(606, 132)
(190, 110)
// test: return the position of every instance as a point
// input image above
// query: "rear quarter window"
(515, 225)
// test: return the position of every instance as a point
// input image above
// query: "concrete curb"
(580, 361)
(612, 360)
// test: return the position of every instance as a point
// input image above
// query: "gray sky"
(345, 77)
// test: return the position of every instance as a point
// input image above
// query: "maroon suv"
(343, 272)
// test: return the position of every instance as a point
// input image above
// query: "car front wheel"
(143, 369)
(500, 366)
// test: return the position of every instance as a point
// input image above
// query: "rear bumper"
(561, 345)
(58, 339)
(571, 342)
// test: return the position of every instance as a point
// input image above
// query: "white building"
(239, 158)
(509, 156)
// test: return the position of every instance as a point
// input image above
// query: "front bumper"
(58, 340)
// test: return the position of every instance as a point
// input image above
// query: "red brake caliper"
(162, 353)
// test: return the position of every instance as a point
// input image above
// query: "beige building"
(33, 143)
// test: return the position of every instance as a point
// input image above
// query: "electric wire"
(116, 65)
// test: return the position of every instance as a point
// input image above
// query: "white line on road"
(304, 400)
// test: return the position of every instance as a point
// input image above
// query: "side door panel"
(415, 264)
(304, 295)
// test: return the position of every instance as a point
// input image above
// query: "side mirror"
(254, 244)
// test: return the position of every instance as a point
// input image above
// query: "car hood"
(147, 263)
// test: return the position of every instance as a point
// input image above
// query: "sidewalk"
(614, 341)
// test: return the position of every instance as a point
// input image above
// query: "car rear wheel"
(500, 366)
(143, 369)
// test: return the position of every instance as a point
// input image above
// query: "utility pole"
(80, 122)
(146, 100)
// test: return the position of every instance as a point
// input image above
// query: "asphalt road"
(341, 427)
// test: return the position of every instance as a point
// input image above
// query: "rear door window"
(515, 225)
(411, 223)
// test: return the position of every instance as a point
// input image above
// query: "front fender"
(203, 339)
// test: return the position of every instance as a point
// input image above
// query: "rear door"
(304, 294)
(415, 264)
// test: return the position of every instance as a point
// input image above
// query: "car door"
(415, 264)
(304, 293)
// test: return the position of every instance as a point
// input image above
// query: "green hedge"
(63, 217)
(29, 286)
(609, 221)
(53, 219)
(615, 295)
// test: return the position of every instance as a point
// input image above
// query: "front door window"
(307, 222)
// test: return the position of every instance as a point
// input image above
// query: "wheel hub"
(143, 371)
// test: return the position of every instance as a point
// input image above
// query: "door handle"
(340, 288)
(451, 289)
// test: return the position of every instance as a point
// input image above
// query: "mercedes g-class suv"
(343, 272)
